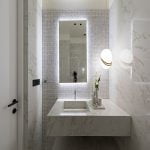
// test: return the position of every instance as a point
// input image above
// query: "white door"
(8, 74)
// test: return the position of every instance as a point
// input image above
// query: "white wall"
(128, 91)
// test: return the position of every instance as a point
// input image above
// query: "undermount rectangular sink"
(75, 106)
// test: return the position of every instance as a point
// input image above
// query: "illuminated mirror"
(72, 51)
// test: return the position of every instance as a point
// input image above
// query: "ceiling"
(75, 4)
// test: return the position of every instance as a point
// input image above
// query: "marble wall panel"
(129, 84)
(141, 50)
(34, 102)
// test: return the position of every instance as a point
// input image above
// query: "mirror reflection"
(72, 51)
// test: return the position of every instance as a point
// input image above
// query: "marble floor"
(83, 143)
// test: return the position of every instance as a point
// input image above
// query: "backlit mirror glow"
(72, 51)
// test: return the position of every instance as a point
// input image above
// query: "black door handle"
(13, 103)
(14, 110)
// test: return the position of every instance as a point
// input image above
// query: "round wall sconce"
(126, 56)
(106, 58)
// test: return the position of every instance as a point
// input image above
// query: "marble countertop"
(111, 109)
(111, 121)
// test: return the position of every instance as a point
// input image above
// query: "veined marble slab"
(141, 50)
(111, 121)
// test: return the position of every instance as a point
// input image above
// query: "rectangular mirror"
(72, 51)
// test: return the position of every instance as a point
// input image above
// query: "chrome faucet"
(75, 79)
(75, 94)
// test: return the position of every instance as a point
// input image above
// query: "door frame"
(22, 62)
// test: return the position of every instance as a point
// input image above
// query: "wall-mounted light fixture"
(126, 56)
(106, 58)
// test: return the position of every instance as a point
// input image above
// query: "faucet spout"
(75, 94)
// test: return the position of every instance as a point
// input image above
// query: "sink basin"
(76, 106)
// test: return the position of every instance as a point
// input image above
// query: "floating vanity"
(80, 119)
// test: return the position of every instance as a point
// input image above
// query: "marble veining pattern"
(141, 51)
(111, 121)
(34, 103)
(131, 93)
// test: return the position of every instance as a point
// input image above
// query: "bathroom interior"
(91, 63)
